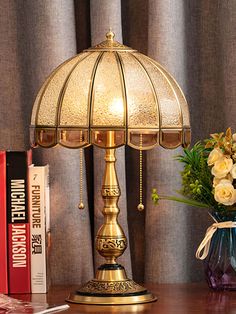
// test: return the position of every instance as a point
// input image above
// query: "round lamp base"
(111, 287)
(111, 299)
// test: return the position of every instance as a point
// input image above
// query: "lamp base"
(111, 287)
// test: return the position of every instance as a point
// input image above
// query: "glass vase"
(220, 264)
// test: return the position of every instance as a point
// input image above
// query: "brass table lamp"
(110, 95)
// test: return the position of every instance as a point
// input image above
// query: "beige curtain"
(195, 40)
(166, 42)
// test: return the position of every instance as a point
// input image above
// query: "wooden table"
(172, 298)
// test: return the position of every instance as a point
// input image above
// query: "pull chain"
(81, 204)
(140, 205)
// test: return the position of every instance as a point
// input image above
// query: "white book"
(39, 226)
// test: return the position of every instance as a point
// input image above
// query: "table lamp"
(110, 95)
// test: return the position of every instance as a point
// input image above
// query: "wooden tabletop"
(172, 298)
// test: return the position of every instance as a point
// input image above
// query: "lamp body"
(110, 95)
(111, 241)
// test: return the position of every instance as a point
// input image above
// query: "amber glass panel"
(100, 138)
(46, 137)
(73, 138)
(108, 107)
(170, 138)
(141, 102)
(149, 139)
(75, 103)
(187, 137)
(33, 141)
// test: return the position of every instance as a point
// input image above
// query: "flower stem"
(184, 200)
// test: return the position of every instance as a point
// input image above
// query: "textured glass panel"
(142, 106)
(170, 138)
(168, 102)
(182, 101)
(47, 114)
(74, 110)
(73, 138)
(100, 138)
(108, 107)
(36, 102)
(170, 114)
(149, 139)
(41, 91)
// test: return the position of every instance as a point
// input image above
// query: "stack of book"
(24, 224)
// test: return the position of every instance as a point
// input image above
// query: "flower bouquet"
(209, 180)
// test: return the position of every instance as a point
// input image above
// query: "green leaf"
(185, 201)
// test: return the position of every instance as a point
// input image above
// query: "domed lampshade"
(110, 87)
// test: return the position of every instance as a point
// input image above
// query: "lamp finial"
(110, 35)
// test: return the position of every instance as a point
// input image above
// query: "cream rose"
(233, 171)
(225, 193)
(222, 167)
(234, 137)
(216, 181)
(214, 155)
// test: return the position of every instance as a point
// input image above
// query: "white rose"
(222, 167)
(216, 181)
(225, 193)
(214, 155)
(233, 171)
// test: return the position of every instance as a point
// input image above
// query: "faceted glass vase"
(220, 264)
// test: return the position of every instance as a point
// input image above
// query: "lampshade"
(110, 87)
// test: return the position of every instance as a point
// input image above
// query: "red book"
(3, 225)
(18, 221)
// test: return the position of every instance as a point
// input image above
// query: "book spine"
(37, 188)
(48, 230)
(18, 222)
(3, 226)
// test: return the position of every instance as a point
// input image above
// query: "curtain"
(195, 40)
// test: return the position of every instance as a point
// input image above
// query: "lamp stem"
(111, 284)
(110, 240)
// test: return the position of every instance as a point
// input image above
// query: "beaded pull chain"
(81, 204)
(140, 206)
